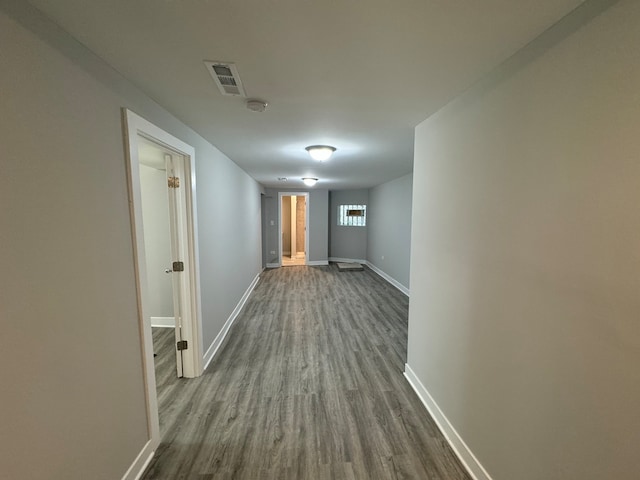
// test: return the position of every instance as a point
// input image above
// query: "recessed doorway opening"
(294, 228)
(162, 191)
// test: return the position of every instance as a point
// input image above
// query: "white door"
(176, 269)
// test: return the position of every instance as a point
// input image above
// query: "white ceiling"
(355, 74)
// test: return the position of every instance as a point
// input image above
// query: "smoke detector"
(226, 76)
(256, 105)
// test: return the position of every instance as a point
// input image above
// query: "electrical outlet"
(382, 257)
(273, 252)
(273, 223)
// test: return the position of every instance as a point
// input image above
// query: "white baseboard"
(310, 263)
(317, 263)
(213, 348)
(163, 322)
(141, 462)
(388, 278)
(347, 260)
(468, 459)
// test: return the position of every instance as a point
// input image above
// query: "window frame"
(346, 220)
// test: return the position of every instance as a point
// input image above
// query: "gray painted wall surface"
(347, 242)
(389, 226)
(68, 297)
(228, 231)
(318, 223)
(157, 240)
(525, 267)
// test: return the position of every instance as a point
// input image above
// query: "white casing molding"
(139, 465)
(462, 451)
(389, 279)
(213, 348)
(163, 322)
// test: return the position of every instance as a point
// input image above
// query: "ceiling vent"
(226, 77)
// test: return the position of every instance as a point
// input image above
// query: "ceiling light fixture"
(320, 152)
(309, 182)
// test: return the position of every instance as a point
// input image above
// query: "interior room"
(182, 180)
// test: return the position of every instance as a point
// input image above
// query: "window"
(352, 215)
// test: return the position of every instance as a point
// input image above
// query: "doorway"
(294, 228)
(163, 212)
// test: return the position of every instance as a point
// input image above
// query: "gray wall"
(347, 242)
(389, 225)
(157, 240)
(229, 235)
(318, 223)
(76, 404)
(525, 267)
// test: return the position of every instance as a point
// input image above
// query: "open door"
(179, 163)
(176, 269)
(181, 268)
(293, 215)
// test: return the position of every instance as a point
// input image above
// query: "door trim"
(135, 126)
(306, 223)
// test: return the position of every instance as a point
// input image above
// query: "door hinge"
(182, 345)
(178, 266)
(174, 182)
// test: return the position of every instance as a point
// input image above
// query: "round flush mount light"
(256, 105)
(320, 152)
(309, 182)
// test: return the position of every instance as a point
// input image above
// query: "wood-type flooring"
(307, 385)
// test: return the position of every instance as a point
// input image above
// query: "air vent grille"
(226, 77)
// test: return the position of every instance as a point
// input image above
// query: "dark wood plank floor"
(308, 385)
(165, 363)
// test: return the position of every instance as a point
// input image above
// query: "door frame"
(135, 126)
(306, 223)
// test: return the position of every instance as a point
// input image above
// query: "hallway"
(308, 385)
